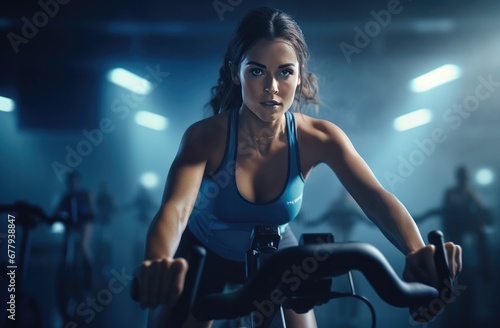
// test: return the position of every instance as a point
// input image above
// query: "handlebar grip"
(196, 259)
(436, 238)
(445, 281)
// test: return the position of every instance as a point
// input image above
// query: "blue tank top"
(222, 219)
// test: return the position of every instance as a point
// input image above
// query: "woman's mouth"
(270, 103)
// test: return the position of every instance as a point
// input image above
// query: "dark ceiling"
(77, 39)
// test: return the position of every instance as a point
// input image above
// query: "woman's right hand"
(160, 281)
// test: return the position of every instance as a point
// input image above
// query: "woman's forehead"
(271, 53)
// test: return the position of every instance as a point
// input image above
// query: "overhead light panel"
(151, 120)
(7, 104)
(438, 76)
(413, 119)
(130, 81)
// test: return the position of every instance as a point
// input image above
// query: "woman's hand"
(160, 281)
(420, 264)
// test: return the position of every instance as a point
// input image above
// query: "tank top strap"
(232, 136)
(293, 146)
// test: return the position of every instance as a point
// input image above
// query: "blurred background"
(107, 90)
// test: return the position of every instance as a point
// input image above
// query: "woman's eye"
(287, 72)
(256, 71)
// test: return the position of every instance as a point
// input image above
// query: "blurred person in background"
(74, 280)
(463, 213)
(106, 208)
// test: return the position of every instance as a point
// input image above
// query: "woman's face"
(269, 76)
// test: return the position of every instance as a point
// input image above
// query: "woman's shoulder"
(318, 130)
(206, 135)
(209, 127)
(319, 140)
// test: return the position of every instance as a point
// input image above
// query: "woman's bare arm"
(381, 206)
(160, 276)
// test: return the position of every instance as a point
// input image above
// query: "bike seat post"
(264, 242)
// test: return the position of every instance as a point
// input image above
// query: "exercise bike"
(70, 278)
(27, 312)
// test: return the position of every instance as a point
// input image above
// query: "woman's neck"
(251, 126)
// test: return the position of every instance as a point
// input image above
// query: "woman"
(247, 165)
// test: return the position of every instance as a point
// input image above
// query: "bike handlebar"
(316, 262)
(30, 215)
(335, 259)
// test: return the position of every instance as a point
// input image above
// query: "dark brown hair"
(263, 23)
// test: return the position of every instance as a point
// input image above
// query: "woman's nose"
(272, 87)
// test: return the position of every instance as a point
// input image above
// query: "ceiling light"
(432, 79)
(151, 120)
(484, 176)
(149, 180)
(130, 81)
(413, 119)
(6, 104)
